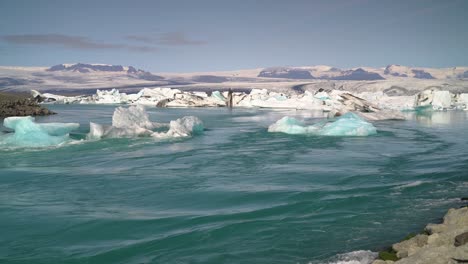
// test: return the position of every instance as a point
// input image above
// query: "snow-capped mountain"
(86, 68)
(72, 78)
(364, 73)
(323, 72)
(105, 68)
(426, 73)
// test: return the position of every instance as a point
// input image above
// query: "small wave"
(354, 257)
(409, 185)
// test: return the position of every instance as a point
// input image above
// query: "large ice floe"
(28, 133)
(349, 124)
(371, 106)
(134, 122)
(434, 99)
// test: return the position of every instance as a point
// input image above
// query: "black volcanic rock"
(20, 105)
(358, 75)
(420, 74)
(288, 73)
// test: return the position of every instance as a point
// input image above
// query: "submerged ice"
(28, 133)
(134, 122)
(349, 124)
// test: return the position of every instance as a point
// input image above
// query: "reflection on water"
(439, 117)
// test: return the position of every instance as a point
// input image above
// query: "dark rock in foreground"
(20, 105)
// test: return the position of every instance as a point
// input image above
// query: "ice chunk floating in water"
(134, 122)
(133, 116)
(182, 127)
(31, 134)
(126, 122)
(349, 124)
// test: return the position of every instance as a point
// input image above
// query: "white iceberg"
(133, 116)
(349, 124)
(28, 133)
(182, 127)
(462, 101)
(338, 101)
(134, 122)
(438, 100)
(442, 100)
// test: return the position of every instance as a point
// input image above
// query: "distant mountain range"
(296, 73)
(79, 76)
(361, 74)
(90, 68)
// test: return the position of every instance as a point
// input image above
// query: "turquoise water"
(236, 194)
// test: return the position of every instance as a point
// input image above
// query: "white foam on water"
(354, 257)
(409, 185)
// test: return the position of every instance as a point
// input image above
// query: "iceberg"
(97, 131)
(349, 124)
(462, 101)
(439, 100)
(134, 122)
(182, 127)
(28, 133)
(218, 96)
(133, 116)
(442, 100)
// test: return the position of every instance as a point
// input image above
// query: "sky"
(217, 35)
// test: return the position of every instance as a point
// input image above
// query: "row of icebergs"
(335, 101)
(134, 122)
(126, 123)
(349, 114)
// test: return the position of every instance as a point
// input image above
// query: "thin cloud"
(167, 39)
(178, 39)
(138, 38)
(71, 42)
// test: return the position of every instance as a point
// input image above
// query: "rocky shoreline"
(445, 243)
(20, 105)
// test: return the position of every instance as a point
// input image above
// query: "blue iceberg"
(28, 133)
(348, 124)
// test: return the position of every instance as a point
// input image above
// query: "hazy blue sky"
(221, 35)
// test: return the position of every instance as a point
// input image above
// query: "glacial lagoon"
(232, 194)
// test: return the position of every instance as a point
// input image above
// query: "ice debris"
(377, 105)
(182, 127)
(349, 124)
(28, 133)
(134, 122)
